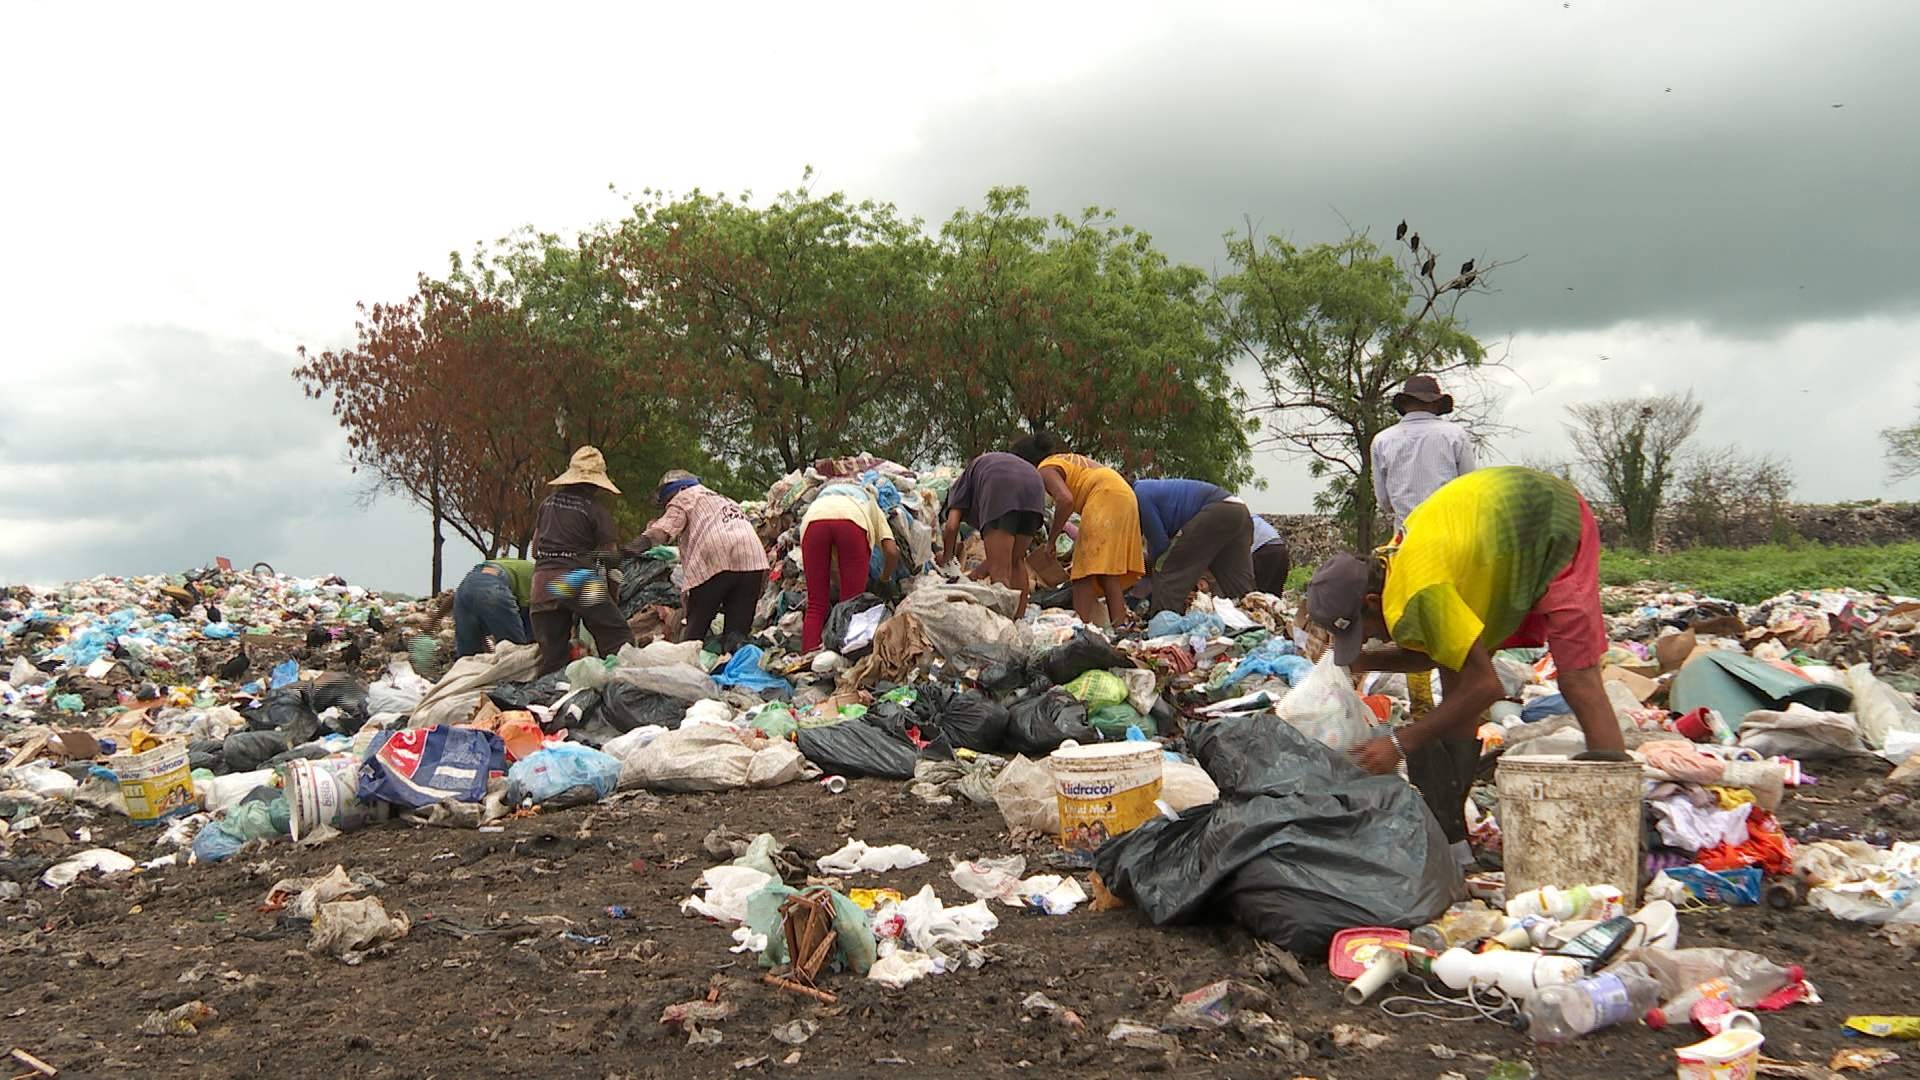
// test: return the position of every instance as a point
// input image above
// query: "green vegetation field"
(1749, 575)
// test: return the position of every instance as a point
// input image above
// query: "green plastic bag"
(775, 719)
(1112, 721)
(1098, 689)
(854, 948)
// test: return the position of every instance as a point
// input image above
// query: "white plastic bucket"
(1567, 823)
(320, 791)
(1104, 790)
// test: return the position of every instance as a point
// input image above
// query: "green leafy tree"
(1082, 325)
(1333, 330)
(1630, 450)
(790, 330)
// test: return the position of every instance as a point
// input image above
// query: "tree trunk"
(1363, 500)
(439, 538)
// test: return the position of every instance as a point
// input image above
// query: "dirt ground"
(485, 984)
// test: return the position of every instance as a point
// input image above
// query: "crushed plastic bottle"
(1559, 1013)
(1747, 979)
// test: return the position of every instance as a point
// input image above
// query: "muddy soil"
(488, 984)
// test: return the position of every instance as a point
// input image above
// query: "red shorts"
(1566, 618)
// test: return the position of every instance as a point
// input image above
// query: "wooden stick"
(32, 1062)
(789, 984)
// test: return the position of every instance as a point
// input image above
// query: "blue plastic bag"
(422, 766)
(285, 672)
(1738, 887)
(219, 630)
(744, 670)
(1168, 623)
(1545, 708)
(1274, 656)
(547, 772)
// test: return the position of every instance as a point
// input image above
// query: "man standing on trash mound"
(1498, 558)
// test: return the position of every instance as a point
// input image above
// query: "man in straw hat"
(1502, 557)
(574, 539)
(1417, 456)
(724, 566)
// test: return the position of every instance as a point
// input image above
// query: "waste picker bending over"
(1499, 557)
(574, 540)
(1200, 528)
(492, 602)
(1108, 557)
(721, 559)
(842, 529)
(1003, 498)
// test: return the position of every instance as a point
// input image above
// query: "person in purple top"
(1199, 528)
(1002, 497)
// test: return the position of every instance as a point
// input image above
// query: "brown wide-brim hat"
(1424, 389)
(588, 466)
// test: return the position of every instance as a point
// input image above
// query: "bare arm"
(1476, 686)
(892, 562)
(1056, 483)
(950, 536)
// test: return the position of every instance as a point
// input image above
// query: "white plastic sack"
(1184, 785)
(961, 626)
(41, 779)
(682, 682)
(453, 698)
(659, 654)
(1880, 709)
(1327, 708)
(103, 860)
(621, 746)
(708, 758)
(857, 856)
(1143, 690)
(1025, 793)
(400, 690)
(709, 713)
(1801, 733)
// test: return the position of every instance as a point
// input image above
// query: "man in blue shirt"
(1199, 528)
(1272, 560)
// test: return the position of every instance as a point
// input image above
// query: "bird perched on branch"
(1414, 243)
(237, 666)
(1427, 267)
(1400, 233)
(1466, 267)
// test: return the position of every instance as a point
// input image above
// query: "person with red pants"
(842, 527)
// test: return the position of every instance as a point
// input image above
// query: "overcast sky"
(192, 192)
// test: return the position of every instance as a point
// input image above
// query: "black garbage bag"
(644, 583)
(287, 711)
(1053, 599)
(245, 751)
(841, 617)
(1300, 845)
(1004, 678)
(309, 751)
(911, 726)
(1038, 723)
(624, 706)
(544, 690)
(1087, 651)
(858, 749)
(343, 692)
(975, 721)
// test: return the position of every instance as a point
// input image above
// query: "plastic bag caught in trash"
(1278, 849)
(744, 670)
(835, 637)
(1027, 796)
(1801, 733)
(975, 721)
(624, 707)
(348, 928)
(1097, 689)
(421, 766)
(1326, 707)
(1087, 651)
(545, 774)
(1039, 723)
(858, 748)
(711, 759)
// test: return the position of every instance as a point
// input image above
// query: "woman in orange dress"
(1109, 555)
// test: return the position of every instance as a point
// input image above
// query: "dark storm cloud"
(1651, 162)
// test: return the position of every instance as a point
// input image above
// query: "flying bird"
(1836, 106)
(1400, 233)
(375, 623)
(1427, 267)
(237, 666)
(1414, 243)
(1467, 267)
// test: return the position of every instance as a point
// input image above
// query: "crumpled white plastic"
(897, 969)
(856, 856)
(105, 860)
(728, 888)
(945, 933)
(999, 879)
(1693, 828)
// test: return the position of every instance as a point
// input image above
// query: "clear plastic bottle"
(1458, 927)
(1747, 979)
(1559, 1013)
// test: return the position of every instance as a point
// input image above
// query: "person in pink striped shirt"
(723, 562)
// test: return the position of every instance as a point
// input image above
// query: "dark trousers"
(731, 593)
(1443, 771)
(553, 629)
(1272, 562)
(1217, 540)
(484, 607)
